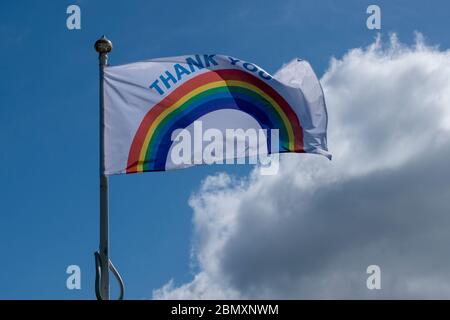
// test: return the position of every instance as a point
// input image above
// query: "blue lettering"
(166, 80)
(233, 61)
(209, 58)
(250, 67)
(180, 70)
(197, 62)
(264, 75)
(155, 86)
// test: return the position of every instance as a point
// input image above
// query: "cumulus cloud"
(312, 230)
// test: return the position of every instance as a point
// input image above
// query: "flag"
(176, 112)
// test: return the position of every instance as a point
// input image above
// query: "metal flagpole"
(103, 264)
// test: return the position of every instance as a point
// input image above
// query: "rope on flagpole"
(98, 277)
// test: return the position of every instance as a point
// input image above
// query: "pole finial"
(103, 45)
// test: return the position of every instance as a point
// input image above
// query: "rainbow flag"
(176, 112)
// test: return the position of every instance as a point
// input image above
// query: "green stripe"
(199, 96)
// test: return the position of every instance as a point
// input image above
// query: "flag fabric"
(148, 104)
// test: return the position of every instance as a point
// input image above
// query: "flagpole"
(103, 46)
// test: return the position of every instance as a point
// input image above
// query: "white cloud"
(311, 230)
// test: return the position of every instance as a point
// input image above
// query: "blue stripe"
(257, 108)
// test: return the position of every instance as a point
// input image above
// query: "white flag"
(169, 113)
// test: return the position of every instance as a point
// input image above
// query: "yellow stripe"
(211, 85)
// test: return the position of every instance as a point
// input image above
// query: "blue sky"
(49, 195)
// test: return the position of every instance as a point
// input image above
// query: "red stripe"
(192, 84)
